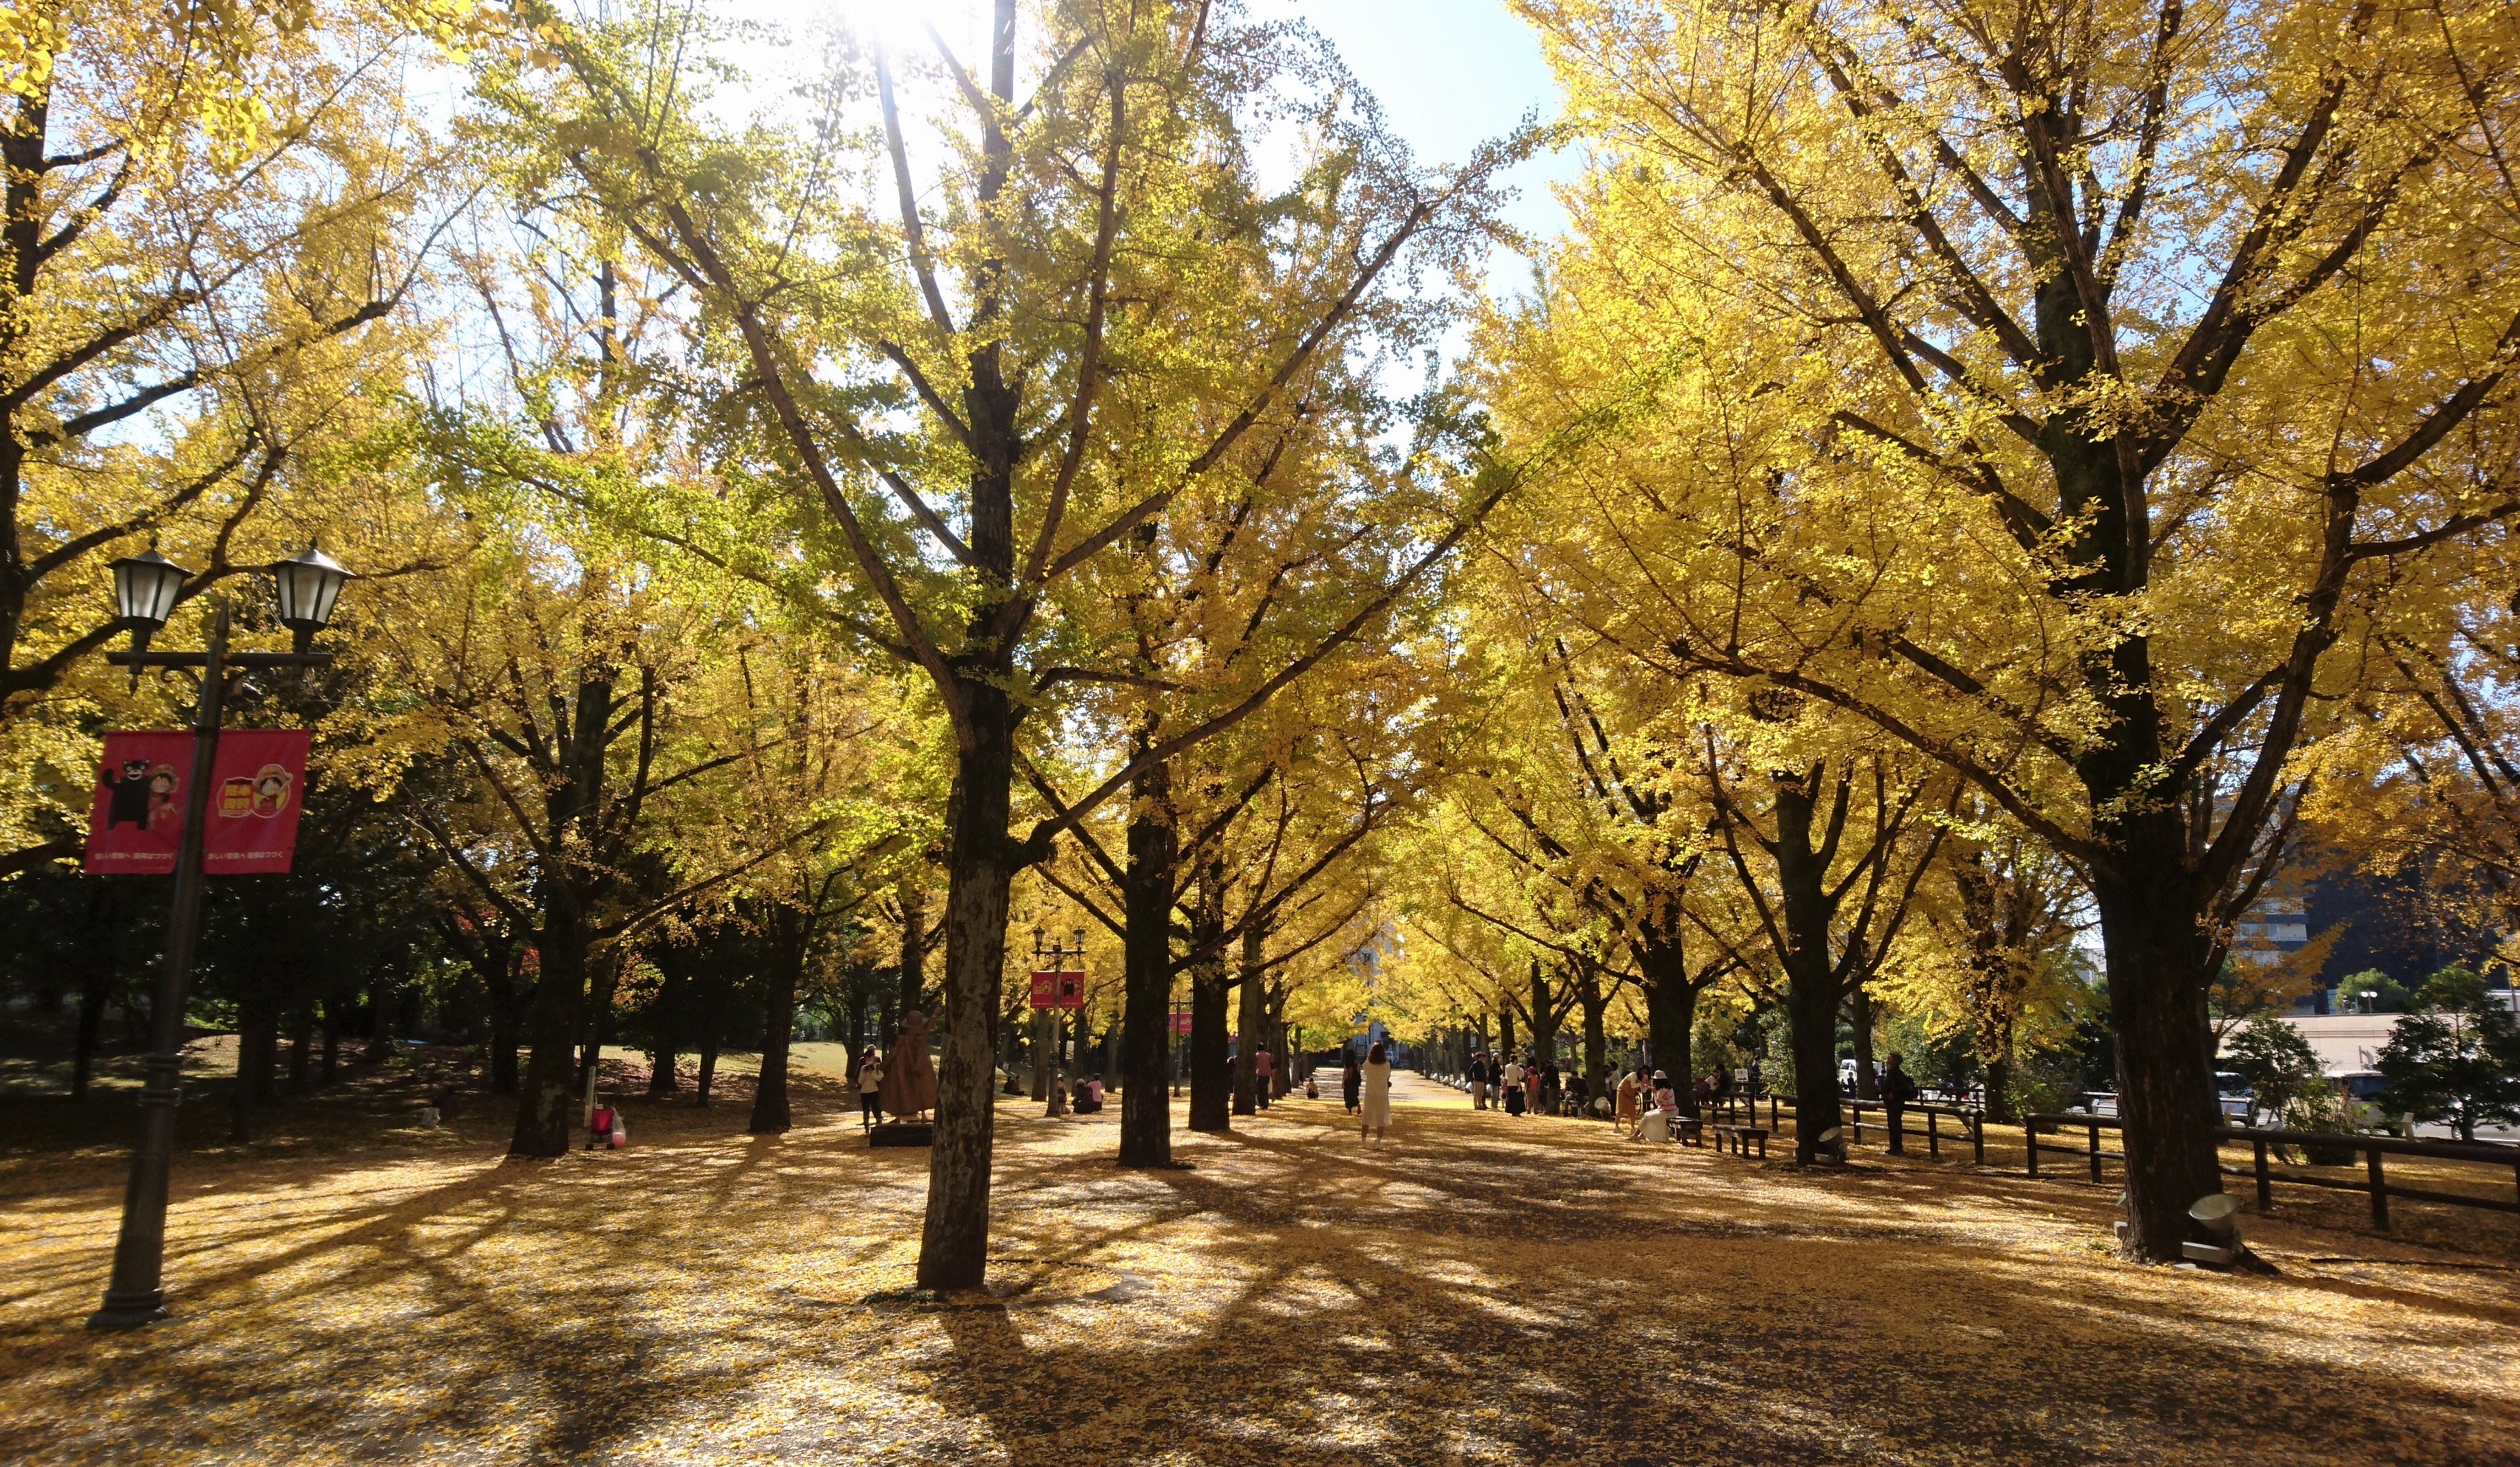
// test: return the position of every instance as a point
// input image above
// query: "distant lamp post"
(2370, 996)
(145, 589)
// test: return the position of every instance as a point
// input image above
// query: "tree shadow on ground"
(1477, 1290)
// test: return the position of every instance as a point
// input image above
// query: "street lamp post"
(1058, 954)
(146, 588)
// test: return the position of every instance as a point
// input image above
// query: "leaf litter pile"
(1478, 1289)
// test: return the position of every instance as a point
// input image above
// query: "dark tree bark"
(1811, 981)
(712, 1032)
(914, 948)
(257, 1044)
(664, 1036)
(332, 1066)
(954, 1241)
(1859, 1017)
(788, 935)
(544, 1111)
(1251, 1030)
(1596, 1044)
(94, 987)
(1671, 1009)
(302, 1051)
(1147, 972)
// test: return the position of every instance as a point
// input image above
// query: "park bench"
(1738, 1139)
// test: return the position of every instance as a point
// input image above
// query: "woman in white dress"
(1377, 1108)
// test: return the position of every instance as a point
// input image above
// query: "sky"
(1450, 75)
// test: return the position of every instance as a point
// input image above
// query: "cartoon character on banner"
(271, 791)
(163, 815)
(130, 794)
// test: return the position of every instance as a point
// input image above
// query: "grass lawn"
(1479, 1289)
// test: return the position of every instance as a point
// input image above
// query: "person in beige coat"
(1377, 1109)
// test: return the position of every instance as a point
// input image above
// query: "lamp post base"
(131, 1313)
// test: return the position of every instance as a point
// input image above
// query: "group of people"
(1535, 1087)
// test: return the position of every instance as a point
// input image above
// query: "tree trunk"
(302, 1051)
(257, 1044)
(1251, 1026)
(1042, 1020)
(770, 1111)
(506, 1013)
(1859, 1009)
(712, 1030)
(664, 1036)
(546, 1106)
(1147, 972)
(1211, 1073)
(607, 972)
(954, 1244)
(1998, 1093)
(93, 990)
(2156, 961)
(331, 1065)
(1544, 1022)
(1504, 1033)
(914, 948)
(1812, 982)
(1597, 1045)
(1671, 1010)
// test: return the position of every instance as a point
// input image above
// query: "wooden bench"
(1738, 1139)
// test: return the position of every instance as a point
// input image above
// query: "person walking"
(1377, 1115)
(1351, 1081)
(1510, 1082)
(870, 1089)
(1479, 1080)
(1531, 1088)
(1897, 1091)
(1264, 1078)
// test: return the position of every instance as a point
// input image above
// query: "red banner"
(1180, 1023)
(1057, 990)
(257, 782)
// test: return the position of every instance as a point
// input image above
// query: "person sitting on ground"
(870, 1089)
(599, 1126)
(1087, 1098)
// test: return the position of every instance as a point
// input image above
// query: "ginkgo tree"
(2076, 381)
(973, 398)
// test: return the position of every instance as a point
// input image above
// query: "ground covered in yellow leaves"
(1479, 1289)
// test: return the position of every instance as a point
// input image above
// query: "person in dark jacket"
(1897, 1093)
(1351, 1081)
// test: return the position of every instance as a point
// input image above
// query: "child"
(599, 1128)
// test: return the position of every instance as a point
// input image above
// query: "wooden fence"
(2263, 1144)
(1967, 1125)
